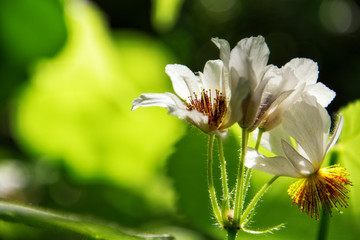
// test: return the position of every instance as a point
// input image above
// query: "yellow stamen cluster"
(214, 108)
(328, 188)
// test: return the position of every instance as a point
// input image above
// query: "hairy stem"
(239, 197)
(258, 140)
(231, 234)
(210, 179)
(223, 173)
(249, 170)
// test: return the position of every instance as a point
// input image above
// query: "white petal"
(278, 166)
(306, 70)
(280, 80)
(275, 114)
(157, 99)
(305, 123)
(234, 112)
(323, 94)
(249, 59)
(212, 76)
(272, 140)
(300, 163)
(336, 133)
(224, 48)
(175, 107)
(252, 110)
(183, 80)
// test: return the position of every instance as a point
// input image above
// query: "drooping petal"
(278, 166)
(305, 123)
(300, 163)
(306, 70)
(336, 133)
(164, 100)
(183, 80)
(224, 48)
(249, 58)
(174, 106)
(323, 94)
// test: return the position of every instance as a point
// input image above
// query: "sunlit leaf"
(348, 151)
(92, 228)
(77, 107)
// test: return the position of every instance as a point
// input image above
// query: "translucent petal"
(224, 48)
(183, 80)
(300, 163)
(272, 140)
(165, 100)
(306, 70)
(336, 133)
(238, 94)
(249, 59)
(323, 94)
(212, 77)
(276, 112)
(278, 166)
(308, 124)
(175, 107)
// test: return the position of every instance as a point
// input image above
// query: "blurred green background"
(70, 69)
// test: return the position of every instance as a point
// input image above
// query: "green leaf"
(91, 228)
(348, 152)
(77, 107)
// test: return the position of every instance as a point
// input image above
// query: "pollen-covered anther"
(215, 108)
(327, 188)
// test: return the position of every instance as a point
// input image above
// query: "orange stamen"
(214, 108)
(327, 188)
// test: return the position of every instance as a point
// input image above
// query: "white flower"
(272, 90)
(204, 99)
(308, 123)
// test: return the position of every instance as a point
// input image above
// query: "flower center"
(214, 108)
(327, 188)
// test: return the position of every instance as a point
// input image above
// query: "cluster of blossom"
(286, 106)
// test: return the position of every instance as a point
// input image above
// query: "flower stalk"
(231, 234)
(239, 197)
(249, 171)
(226, 198)
(210, 179)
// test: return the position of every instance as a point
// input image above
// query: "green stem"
(231, 234)
(258, 140)
(210, 179)
(325, 219)
(223, 173)
(256, 198)
(324, 226)
(240, 179)
(249, 170)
